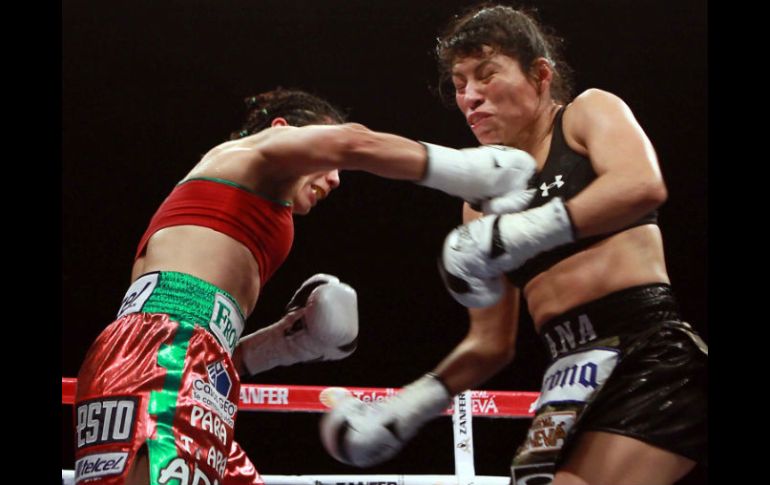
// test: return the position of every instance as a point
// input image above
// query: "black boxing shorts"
(624, 364)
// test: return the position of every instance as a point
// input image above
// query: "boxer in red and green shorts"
(160, 381)
(158, 391)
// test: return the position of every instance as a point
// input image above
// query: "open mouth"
(318, 192)
(477, 118)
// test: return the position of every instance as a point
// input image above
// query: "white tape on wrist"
(448, 170)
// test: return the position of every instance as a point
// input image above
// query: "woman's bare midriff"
(206, 254)
(630, 258)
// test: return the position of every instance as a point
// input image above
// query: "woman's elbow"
(354, 140)
(643, 193)
(501, 355)
(654, 194)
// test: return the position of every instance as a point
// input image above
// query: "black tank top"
(565, 174)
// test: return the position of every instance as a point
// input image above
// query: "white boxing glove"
(492, 178)
(476, 254)
(321, 324)
(363, 434)
(471, 291)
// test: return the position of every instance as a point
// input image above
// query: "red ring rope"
(270, 397)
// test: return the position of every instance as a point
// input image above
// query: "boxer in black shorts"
(624, 399)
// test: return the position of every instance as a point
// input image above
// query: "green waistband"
(187, 299)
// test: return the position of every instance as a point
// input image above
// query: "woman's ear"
(542, 72)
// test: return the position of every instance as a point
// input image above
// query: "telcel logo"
(100, 465)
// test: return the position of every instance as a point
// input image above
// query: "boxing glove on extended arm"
(321, 324)
(363, 434)
(492, 178)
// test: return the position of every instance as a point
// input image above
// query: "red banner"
(270, 397)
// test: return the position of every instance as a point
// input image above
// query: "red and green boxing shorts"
(159, 380)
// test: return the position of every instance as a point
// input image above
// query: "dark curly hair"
(298, 107)
(512, 32)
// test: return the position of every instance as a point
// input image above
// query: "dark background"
(148, 87)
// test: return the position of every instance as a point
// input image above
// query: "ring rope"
(292, 398)
(68, 478)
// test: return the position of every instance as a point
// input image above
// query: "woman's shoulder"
(593, 108)
(592, 100)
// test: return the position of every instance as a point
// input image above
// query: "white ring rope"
(68, 478)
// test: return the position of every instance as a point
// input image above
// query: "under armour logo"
(545, 188)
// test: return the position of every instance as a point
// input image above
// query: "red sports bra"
(264, 226)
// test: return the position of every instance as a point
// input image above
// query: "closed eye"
(486, 75)
(485, 70)
(459, 85)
